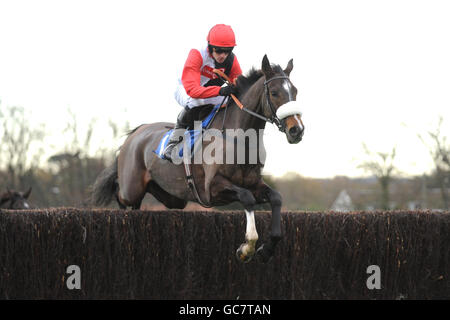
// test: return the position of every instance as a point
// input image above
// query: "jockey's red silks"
(198, 84)
(227, 79)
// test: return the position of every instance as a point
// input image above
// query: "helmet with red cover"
(221, 35)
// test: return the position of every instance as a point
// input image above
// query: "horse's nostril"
(294, 131)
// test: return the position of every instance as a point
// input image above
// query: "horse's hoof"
(244, 256)
(264, 255)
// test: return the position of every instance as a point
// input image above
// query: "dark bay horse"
(15, 199)
(268, 96)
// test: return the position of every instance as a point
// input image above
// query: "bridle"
(274, 119)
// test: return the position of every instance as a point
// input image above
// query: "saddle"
(189, 133)
(194, 135)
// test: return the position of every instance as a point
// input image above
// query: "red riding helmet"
(221, 35)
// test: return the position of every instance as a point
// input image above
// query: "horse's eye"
(274, 93)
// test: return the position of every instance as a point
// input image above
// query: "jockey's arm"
(191, 78)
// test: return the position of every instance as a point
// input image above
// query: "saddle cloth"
(194, 134)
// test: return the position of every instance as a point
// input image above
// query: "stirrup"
(169, 148)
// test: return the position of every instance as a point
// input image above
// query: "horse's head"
(280, 100)
(15, 199)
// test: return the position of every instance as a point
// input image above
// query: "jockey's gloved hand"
(227, 90)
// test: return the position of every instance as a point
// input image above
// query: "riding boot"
(185, 119)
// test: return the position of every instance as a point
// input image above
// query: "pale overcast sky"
(367, 71)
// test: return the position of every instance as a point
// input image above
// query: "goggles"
(220, 50)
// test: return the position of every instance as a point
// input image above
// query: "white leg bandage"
(250, 233)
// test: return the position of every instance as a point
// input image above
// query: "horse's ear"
(289, 67)
(27, 194)
(266, 68)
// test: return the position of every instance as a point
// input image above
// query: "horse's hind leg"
(132, 188)
(137, 205)
(165, 198)
(121, 205)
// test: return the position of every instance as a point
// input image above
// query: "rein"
(274, 119)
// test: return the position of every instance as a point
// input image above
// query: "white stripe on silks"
(163, 144)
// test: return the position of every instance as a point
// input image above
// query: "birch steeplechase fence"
(174, 254)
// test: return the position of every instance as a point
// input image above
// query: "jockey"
(199, 86)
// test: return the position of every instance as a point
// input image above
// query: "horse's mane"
(243, 83)
(5, 197)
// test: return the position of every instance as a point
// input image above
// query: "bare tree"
(381, 165)
(81, 159)
(21, 145)
(440, 152)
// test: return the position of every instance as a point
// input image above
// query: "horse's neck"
(252, 100)
(3, 200)
(4, 204)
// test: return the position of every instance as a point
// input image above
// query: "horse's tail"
(105, 186)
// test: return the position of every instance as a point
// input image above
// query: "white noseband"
(288, 109)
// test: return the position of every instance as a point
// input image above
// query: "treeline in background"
(64, 177)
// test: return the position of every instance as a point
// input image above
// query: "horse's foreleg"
(224, 189)
(266, 194)
(246, 251)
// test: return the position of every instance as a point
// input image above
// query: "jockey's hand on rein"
(227, 90)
